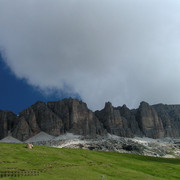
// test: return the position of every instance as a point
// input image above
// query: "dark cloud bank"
(123, 51)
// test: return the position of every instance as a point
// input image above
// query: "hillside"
(54, 163)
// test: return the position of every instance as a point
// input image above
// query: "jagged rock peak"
(73, 116)
(144, 104)
(124, 106)
(57, 118)
(149, 122)
(108, 107)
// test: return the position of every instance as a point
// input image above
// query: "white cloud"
(122, 51)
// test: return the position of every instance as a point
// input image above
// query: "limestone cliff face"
(149, 122)
(72, 115)
(113, 122)
(56, 118)
(170, 117)
(22, 130)
(130, 116)
(76, 117)
(47, 120)
(37, 118)
(8, 121)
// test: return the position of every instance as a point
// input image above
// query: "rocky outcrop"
(170, 117)
(166, 147)
(22, 130)
(56, 118)
(130, 116)
(149, 122)
(8, 121)
(76, 117)
(113, 122)
(122, 121)
(47, 120)
(73, 116)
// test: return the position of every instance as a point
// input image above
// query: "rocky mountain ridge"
(73, 116)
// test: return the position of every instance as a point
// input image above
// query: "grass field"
(52, 163)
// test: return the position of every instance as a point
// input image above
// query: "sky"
(122, 51)
(16, 94)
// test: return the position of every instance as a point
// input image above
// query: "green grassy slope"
(53, 163)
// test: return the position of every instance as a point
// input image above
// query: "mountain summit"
(73, 116)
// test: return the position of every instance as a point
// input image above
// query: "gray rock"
(8, 121)
(57, 118)
(170, 116)
(73, 116)
(113, 122)
(76, 117)
(149, 122)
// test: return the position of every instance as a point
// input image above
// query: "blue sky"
(16, 94)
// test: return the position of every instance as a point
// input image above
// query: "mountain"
(73, 116)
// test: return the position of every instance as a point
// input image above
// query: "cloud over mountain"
(123, 51)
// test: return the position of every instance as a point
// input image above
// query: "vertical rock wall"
(71, 115)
